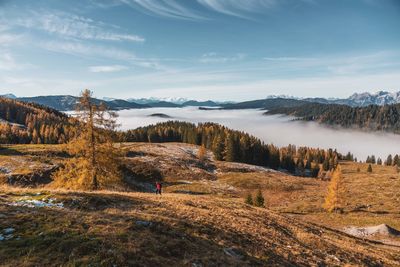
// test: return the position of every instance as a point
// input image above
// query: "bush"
(369, 168)
(259, 200)
(249, 199)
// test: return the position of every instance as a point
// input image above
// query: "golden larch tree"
(202, 153)
(334, 196)
(94, 162)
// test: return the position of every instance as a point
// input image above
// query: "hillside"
(268, 103)
(108, 228)
(32, 123)
(373, 117)
(201, 211)
(67, 102)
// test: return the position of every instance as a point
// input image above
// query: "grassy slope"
(215, 220)
(101, 228)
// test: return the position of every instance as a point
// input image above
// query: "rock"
(1, 237)
(233, 252)
(8, 231)
(144, 223)
(382, 229)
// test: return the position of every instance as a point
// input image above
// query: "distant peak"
(12, 96)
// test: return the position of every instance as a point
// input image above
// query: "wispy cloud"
(7, 38)
(73, 26)
(87, 50)
(182, 10)
(285, 59)
(82, 49)
(236, 7)
(8, 62)
(111, 68)
(338, 64)
(216, 58)
(164, 8)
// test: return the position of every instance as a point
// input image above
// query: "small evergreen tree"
(389, 160)
(369, 168)
(249, 199)
(259, 199)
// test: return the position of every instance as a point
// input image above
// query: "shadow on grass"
(47, 237)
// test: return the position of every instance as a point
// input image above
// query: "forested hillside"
(236, 146)
(22, 123)
(373, 117)
(268, 103)
(67, 102)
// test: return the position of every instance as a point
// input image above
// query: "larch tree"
(94, 162)
(202, 153)
(334, 196)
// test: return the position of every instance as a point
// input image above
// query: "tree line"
(390, 160)
(372, 117)
(25, 123)
(237, 146)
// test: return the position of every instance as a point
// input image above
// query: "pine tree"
(94, 163)
(396, 160)
(369, 168)
(259, 199)
(389, 160)
(229, 153)
(249, 199)
(218, 147)
(333, 197)
(373, 160)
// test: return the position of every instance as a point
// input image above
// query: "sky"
(199, 49)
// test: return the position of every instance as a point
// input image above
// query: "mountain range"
(67, 102)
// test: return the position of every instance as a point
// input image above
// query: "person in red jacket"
(158, 188)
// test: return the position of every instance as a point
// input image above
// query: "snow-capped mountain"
(378, 98)
(175, 100)
(12, 96)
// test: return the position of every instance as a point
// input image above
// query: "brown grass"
(101, 228)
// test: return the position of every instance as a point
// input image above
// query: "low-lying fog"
(279, 130)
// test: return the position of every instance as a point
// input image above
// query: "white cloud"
(215, 58)
(7, 39)
(337, 64)
(111, 68)
(73, 26)
(8, 62)
(80, 49)
(164, 8)
(175, 9)
(236, 7)
(85, 50)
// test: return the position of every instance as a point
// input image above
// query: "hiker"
(158, 188)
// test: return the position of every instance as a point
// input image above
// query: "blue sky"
(201, 49)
